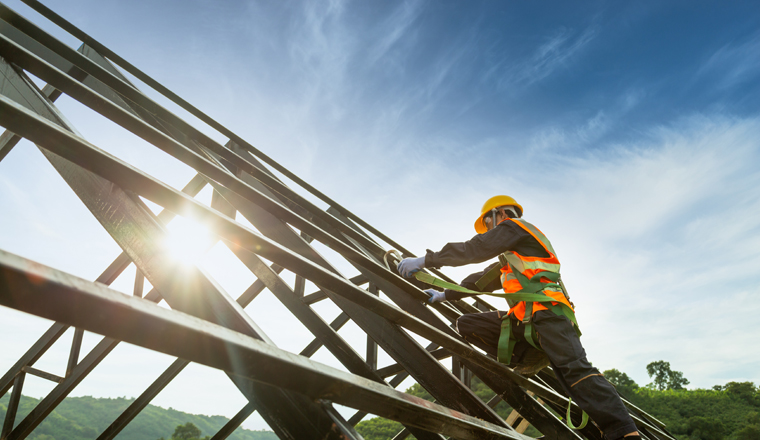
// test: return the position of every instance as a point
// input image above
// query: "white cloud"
(553, 54)
(736, 63)
(558, 138)
(655, 234)
(394, 29)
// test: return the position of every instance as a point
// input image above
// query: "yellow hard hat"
(494, 202)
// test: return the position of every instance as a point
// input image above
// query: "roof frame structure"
(295, 405)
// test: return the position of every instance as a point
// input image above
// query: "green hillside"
(84, 418)
(730, 412)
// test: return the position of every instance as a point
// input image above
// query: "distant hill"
(725, 412)
(84, 418)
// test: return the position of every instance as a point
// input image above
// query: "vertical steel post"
(76, 345)
(13, 402)
(371, 344)
(139, 283)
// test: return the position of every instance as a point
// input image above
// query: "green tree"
(742, 390)
(379, 428)
(417, 390)
(664, 377)
(749, 432)
(753, 418)
(622, 381)
(703, 428)
(188, 431)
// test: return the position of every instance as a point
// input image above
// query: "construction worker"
(527, 264)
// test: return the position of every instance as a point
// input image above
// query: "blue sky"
(630, 132)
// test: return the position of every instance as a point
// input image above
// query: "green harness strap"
(531, 292)
(527, 294)
(506, 341)
(584, 417)
(492, 274)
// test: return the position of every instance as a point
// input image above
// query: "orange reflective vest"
(530, 267)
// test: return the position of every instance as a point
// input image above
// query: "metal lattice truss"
(292, 393)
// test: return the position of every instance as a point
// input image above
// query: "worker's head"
(495, 210)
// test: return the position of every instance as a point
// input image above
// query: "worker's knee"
(578, 371)
(488, 323)
(466, 323)
(481, 329)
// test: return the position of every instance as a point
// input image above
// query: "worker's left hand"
(408, 266)
(435, 296)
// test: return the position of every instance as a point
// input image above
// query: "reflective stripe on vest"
(529, 267)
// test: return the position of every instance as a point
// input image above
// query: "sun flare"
(188, 241)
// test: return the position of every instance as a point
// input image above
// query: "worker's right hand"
(435, 296)
(408, 266)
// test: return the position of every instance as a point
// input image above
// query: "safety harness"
(532, 292)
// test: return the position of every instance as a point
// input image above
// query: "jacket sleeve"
(482, 247)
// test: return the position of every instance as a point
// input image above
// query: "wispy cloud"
(555, 53)
(321, 47)
(393, 29)
(556, 138)
(735, 63)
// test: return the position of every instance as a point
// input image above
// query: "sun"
(187, 241)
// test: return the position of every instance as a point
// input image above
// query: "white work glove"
(435, 296)
(408, 266)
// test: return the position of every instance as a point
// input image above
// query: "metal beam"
(76, 345)
(139, 99)
(8, 140)
(10, 413)
(43, 374)
(65, 298)
(234, 423)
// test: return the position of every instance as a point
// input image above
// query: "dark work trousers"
(584, 383)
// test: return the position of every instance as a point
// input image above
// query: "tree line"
(730, 411)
